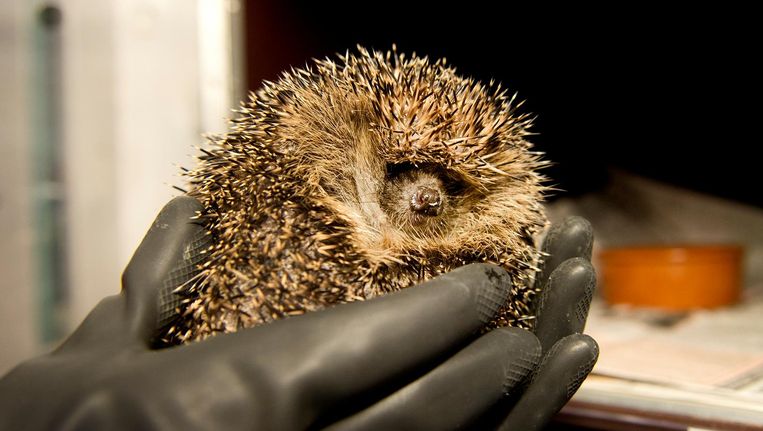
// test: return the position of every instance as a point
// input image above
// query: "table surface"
(588, 416)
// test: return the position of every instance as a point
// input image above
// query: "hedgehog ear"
(167, 258)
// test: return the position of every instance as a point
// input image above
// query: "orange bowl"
(675, 278)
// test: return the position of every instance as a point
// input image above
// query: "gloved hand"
(569, 282)
(409, 360)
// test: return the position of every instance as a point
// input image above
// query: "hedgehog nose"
(426, 200)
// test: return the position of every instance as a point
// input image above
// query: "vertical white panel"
(157, 108)
(215, 61)
(90, 193)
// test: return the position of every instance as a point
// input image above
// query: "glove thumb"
(167, 258)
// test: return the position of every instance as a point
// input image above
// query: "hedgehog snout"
(426, 200)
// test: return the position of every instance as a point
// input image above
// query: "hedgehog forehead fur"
(394, 166)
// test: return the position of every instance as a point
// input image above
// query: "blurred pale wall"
(17, 338)
(140, 82)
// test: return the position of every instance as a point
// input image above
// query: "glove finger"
(564, 303)
(321, 359)
(100, 327)
(559, 376)
(165, 259)
(458, 391)
(571, 238)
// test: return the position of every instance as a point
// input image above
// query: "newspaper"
(705, 364)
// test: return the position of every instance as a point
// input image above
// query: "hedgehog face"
(415, 199)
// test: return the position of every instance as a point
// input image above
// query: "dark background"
(670, 94)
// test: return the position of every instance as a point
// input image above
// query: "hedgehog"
(359, 176)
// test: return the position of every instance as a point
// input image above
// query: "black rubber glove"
(569, 355)
(408, 360)
(446, 397)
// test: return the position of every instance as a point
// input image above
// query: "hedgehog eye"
(397, 170)
(454, 185)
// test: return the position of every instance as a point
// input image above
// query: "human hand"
(409, 358)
